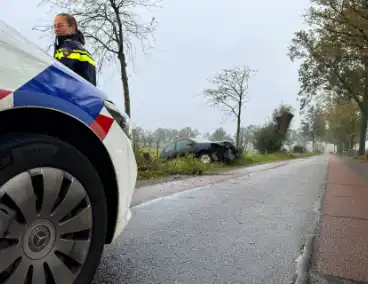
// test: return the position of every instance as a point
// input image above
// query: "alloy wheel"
(205, 158)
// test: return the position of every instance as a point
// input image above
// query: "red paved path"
(342, 245)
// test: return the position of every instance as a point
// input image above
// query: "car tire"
(61, 222)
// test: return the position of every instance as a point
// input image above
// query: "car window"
(200, 140)
(182, 144)
(169, 147)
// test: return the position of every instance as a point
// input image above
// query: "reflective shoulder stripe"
(81, 51)
(81, 57)
(76, 54)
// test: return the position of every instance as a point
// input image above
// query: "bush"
(155, 167)
(187, 165)
(268, 140)
(271, 137)
(298, 149)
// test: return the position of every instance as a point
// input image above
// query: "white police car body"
(67, 169)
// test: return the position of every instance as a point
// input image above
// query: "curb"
(304, 263)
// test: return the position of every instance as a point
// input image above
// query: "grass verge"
(361, 158)
(158, 168)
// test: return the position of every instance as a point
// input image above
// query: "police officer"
(70, 50)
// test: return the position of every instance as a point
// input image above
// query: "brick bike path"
(341, 247)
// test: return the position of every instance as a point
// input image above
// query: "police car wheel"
(52, 212)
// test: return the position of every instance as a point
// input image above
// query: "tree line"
(333, 72)
(164, 136)
(328, 122)
(333, 121)
(274, 136)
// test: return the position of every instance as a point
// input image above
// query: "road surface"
(246, 228)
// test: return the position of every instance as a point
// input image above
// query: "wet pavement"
(147, 193)
(247, 226)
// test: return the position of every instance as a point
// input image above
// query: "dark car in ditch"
(205, 150)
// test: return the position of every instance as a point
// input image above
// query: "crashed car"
(205, 150)
(67, 168)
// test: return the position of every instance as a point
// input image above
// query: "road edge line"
(304, 263)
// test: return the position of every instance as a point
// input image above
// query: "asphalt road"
(248, 228)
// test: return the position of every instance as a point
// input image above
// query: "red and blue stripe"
(61, 89)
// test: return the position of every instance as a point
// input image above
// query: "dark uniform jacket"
(71, 52)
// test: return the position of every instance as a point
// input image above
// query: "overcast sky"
(196, 39)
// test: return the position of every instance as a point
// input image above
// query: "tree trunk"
(238, 131)
(363, 132)
(339, 148)
(124, 79)
(352, 142)
(238, 122)
(363, 126)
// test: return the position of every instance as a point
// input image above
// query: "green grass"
(361, 158)
(152, 151)
(157, 168)
(254, 158)
(257, 159)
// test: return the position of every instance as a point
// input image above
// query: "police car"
(67, 169)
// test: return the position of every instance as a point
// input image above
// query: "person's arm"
(93, 76)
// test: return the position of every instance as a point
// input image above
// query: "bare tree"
(230, 92)
(113, 29)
